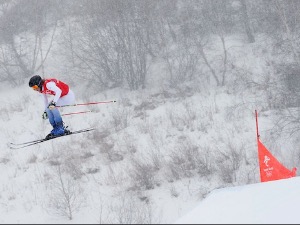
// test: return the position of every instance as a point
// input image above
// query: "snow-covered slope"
(275, 202)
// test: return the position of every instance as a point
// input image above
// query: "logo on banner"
(266, 161)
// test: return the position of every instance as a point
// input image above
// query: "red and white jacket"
(54, 87)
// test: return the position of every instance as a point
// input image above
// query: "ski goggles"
(35, 87)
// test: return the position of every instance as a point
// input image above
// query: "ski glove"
(45, 115)
(52, 105)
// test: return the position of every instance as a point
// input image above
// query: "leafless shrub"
(66, 196)
(12, 106)
(203, 126)
(157, 157)
(32, 159)
(144, 126)
(69, 157)
(73, 167)
(87, 155)
(112, 177)
(174, 192)
(186, 117)
(183, 161)
(54, 162)
(121, 118)
(176, 120)
(156, 139)
(92, 170)
(112, 150)
(100, 135)
(102, 208)
(145, 105)
(190, 115)
(141, 114)
(226, 172)
(129, 144)
(11, 196)
(236, 111)
(4, 160)
(130, 210)
(205, 162)
(229, 161)
(143, 174)
(105, 147)
(5, 114)
(115, 156)
(187, 161)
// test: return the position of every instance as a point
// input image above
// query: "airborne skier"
(63, 95)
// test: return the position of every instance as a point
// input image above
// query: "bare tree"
(200, 28)
(282, 10)
(114, 49)
(246, 21)
(66, 195)
(24, 25)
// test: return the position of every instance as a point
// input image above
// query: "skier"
(63, 95)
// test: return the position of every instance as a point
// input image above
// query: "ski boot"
(67, 131)
(58, 130)
(51, 134)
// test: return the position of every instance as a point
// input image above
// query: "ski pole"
(67, 114)
(88, 103)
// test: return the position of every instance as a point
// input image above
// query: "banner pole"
(256, 118)
(258, 151)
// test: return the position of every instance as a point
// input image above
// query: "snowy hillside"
(274, 202)
(155, 154)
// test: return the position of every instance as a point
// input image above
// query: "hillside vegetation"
(186, 76)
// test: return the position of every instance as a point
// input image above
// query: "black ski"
(29, 143)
